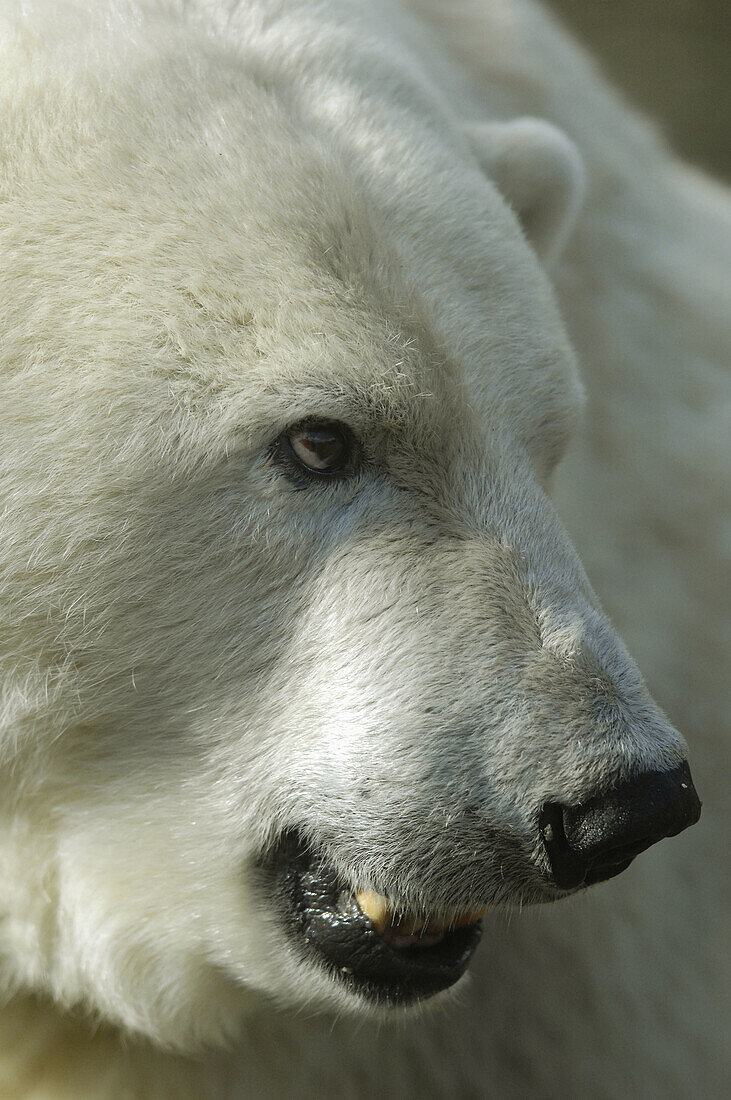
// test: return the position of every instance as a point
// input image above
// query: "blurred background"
(673, 59)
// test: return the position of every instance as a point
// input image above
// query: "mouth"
(387, 955)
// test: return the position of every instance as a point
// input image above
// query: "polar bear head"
(300, 670)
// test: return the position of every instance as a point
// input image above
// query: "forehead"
(351, 359)
(312, 305)
(347, 333)
(327, 308)
(257, 277)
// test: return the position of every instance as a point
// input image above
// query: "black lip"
(324, 920)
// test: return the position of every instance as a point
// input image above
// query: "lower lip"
(323, 922)
(400, 940)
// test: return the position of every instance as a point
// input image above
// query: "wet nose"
(599, 838)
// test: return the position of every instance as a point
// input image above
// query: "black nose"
(599, 838)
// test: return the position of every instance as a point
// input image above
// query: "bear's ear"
(540, 173)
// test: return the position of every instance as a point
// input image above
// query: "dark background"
(673, 59)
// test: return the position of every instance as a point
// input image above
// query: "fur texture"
(220, 219)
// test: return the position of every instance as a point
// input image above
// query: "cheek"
(153, 861)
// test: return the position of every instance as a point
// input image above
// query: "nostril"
(568, 868)
(600, 837)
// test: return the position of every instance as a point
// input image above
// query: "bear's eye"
(322, 447)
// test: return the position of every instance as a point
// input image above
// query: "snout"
(598, 839)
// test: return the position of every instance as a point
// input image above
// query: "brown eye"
(324, 447)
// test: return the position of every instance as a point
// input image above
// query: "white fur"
(220, 219)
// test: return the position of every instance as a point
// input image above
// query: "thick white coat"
(221, 218)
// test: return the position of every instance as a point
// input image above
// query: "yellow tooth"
(381, 916)
(376, 908)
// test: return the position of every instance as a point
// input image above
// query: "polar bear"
(304, 685)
